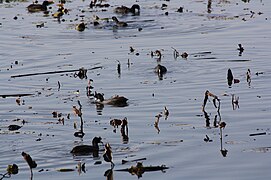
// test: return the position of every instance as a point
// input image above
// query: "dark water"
(208, 32)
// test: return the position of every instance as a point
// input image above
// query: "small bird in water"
(38, 7)
(119, 101)
(119, 23)
(87, 149)
(108, 155)
(135, 9)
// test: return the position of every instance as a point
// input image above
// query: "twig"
(257, 134)
(15, 95)
(52, 72)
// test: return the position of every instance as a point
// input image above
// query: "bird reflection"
(207, 119)
(124, 131)
(209, 6)
(99, 108)
(217, 123)
(248, 77)
(224, 151)
(157, 122)
(235, 102)
(109, 174)
(108, 157)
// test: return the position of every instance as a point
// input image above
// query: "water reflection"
(109, 174)
(99, 108)
(123, 130)
(207, 119)
(235, 102)
(248, 77)
(223, 151)
(216, 123)
(209, 6)
(78, 112)
(156, 122)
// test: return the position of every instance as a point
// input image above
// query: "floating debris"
(18, 101)
(80, 27)
(139, 169)
(53, 72)
(166, 113)
(207, 139)
(222, 124)
(15, 95)
(240, 49)
(65, 170)
(134, 160)
(229, 77)
(257, 134)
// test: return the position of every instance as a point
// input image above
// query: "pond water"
(189, 142)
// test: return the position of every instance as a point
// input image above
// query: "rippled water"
(210, 39)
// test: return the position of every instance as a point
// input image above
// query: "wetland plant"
(108, 157)
(31, 163)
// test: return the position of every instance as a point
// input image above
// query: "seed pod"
(32, 164)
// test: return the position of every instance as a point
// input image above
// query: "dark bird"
(119, 23)
(14, 127)
(87, 149)
(135, 9)
(38, 7)
(108, 155)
